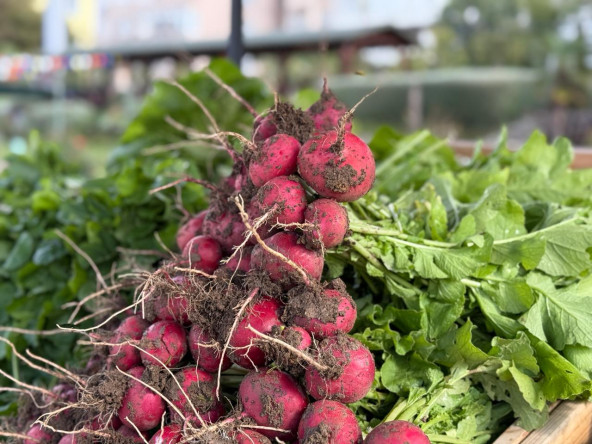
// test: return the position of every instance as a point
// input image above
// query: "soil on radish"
(105, 391)
(341, 178)
(155, 376)
(320, 435)
(308, 302)
(199, 393)
(260, 279)
(293, 121)
(281, 357)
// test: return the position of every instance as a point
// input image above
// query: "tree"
(20, 26)
(502, 32)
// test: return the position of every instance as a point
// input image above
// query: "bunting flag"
(27, 66)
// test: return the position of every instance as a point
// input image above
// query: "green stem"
(534, 233)
(446, 439)
(396, 410)
(387, 163)
(471, 283)
(357, 207)
(397, 236)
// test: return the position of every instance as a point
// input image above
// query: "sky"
(399, 13)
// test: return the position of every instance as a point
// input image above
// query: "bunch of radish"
(244, 298)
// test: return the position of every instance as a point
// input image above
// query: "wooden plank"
(569, 423)
(515, 434)
(582, 155)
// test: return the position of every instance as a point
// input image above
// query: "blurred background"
(77, 70)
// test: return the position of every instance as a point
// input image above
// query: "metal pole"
(236, 47)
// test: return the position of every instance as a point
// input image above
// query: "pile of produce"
(301, 306)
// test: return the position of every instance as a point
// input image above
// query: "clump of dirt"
(156, 376)
(105, 391)
(209, 308)
(280, 356)
(260, 279)
(341, 178)
(305, 301)
(321, 434)
(70, 419)
(272, 410)
(292, 121)
(334, 354)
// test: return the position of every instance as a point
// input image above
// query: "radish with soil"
(253, 309)
(329, 422)
(277, 156)
(273, 399)
(127, 356)
(163, 341)
(141, 406)
(191, 228)
(337, 165)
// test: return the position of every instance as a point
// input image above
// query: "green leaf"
(526, 252)
(401, 374)
(48, 251)
(559, 316)
(20, 253)
(566, 251)
(562, 380)
(457, 347)
(45, 200)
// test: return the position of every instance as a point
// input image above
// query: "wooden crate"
(569, 422)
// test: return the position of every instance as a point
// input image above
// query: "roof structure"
(270, 43)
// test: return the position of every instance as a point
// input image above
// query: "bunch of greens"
(40, 192)
(474, 286)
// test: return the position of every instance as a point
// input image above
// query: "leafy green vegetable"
(41, 191)
(475, 280)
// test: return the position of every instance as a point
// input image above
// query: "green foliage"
(41, 192)
(475, 282)
(504, 32)
(20, 26)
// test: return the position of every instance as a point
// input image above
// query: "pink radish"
(227, 228)
(397, 432)
(190, 229)
(206, 352)
(287, 244)
(327, 111)
(140, 405)
(241, 262)
(39, 434)
(264, 127)
(127, 356)
(170, 434)
(329, 422)
(263, 315)
(173, 307)
(198, 385)
(165, 340)
(277, 156)
(202, 253)
(273, 399)
(333, 312)
(330, 223)
(339, 168)
(350, 373)
(245, 436)
(285, 197)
